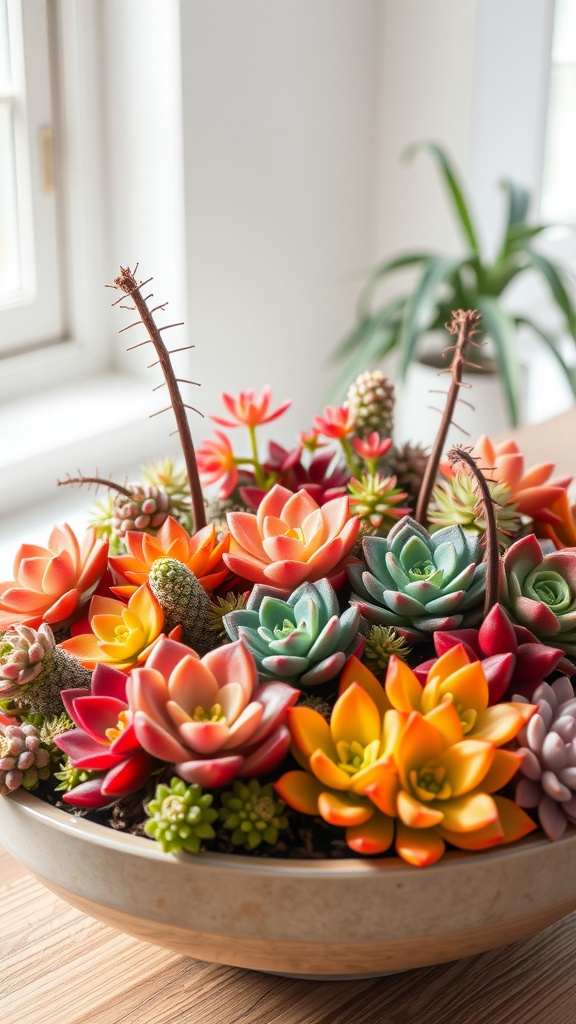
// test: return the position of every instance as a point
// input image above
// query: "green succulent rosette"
(539, 591)
(420, 582)
(299, 638)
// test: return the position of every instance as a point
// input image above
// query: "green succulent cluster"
(70, 777)
(253, 813)
(299, 638)
(381, 643)
(457, 502)
(180, 817)
(420, 583)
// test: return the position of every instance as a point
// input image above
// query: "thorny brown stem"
(464, 324)
(99, 481)
(462, 455)
(128, 284)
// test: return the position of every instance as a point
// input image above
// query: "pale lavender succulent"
(548, 743)
(23, 761)
(22, 652)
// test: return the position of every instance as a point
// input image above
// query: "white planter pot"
(417, 420)
(323, 919)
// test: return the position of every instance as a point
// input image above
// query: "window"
(30, 290)
(558, 200)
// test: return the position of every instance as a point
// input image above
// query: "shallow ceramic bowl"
(326, 919)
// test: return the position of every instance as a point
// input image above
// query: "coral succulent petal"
(420, 847)
(501, 722)
(402, 687)
(299, 790)
(372, 837)
(328, 772)
(337, 810)
(192, 684)
(355, 716)
(203, 737)
(167, 654)
(245, 533)
(212, 772)
(356, 672)
(267, 755)
(467, 813)
(157, 740)
(232, 663)
(62, 608)
(466, 764)
(244, 729)
(310, 732)
(86, 648)
(416, 814)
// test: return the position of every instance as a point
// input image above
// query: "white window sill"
(101, 427)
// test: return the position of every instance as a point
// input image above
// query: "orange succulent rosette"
(201, 552)
(533, 492)
(50, 584)
(123, 635)
(413, 766)
(291, 539)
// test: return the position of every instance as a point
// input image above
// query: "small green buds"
(253, 813)
(180, 817)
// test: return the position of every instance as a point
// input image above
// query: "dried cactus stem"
(491, 597)
(97, 481)
(464, 324)
(127, 282)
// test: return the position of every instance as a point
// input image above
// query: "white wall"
(280, 130)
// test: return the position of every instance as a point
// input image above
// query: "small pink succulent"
(50, 584)
(216, 462)
(209, 717)
(373, 447)
(250, 409)
(292, 539)
(337, 421)
(104, 741)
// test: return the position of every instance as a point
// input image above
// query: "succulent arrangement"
(350, 649)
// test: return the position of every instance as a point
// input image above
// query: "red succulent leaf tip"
(496, 634)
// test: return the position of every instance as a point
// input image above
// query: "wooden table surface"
(60, 967)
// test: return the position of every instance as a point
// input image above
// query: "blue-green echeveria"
(539, 591)
(300, 638)
(418, 582)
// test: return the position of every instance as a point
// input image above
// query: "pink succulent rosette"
(291, 539)
(103, 741)
(50, 584)
(533, 492)
(209, 717)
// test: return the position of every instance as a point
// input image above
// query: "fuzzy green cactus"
(180, 817)
(33, 670)
(184, 602)
(371, 397)
(300, 638)
(253, 813)
(419, 582)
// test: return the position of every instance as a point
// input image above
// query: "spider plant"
(467, 281)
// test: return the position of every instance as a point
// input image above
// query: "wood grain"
(61, 967)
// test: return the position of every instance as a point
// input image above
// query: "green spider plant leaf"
(500, 327)
(553, 347)
(382, 271)
(552, 276)
(359, 337)
(376, 345)
(454, 189)
(421, 307)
